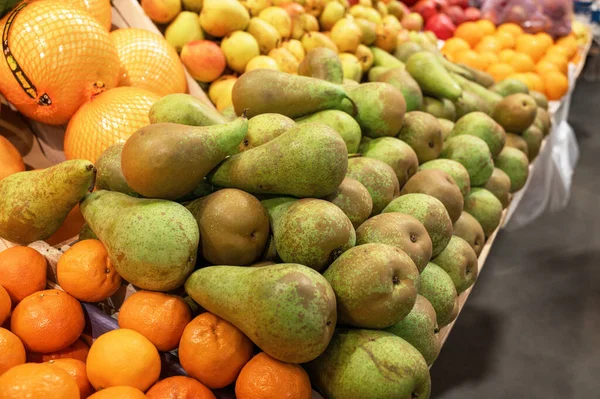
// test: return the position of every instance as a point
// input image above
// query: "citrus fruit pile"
(507, 52)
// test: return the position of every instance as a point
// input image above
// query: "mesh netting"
(148, 62)
(107, 119)
(99, 9)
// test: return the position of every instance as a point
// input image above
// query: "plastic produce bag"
(551, 16)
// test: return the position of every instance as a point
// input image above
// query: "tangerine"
(556, 85)
(179, 387)
(120, 392)
(489, 58)
(35, 380)
(470, 32)
(535, 82)
(559, 60)
(10, 159)
(76, 369)
(506, 55)
(545, 66)
(77, 350)
(511, 28)
(500, 71)
(470, 58)
(5, 305)
(506, 40)
(486, 26)
(545, 38)
(522, 62)
(489, 43)
(22, 272)
(12, 349)
(531, 45)
(454, 45)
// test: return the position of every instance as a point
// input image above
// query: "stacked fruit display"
(443, 16)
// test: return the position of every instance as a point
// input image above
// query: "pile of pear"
(331, 224)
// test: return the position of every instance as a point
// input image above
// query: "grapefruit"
(99, 9)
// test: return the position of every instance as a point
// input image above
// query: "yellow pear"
(262, 62)
(366, 3)
(332, 13)
(351, 67)
(314, 7)
(221, 87)
(346, 35)
(391, 20)
(360, 11)
(265, 34)
(365, 56)
(161, 11)
(312, 40)
(368, 29)
(239, 48)
(382, 9)
(221, 17)
(256, 6)
(285, 59)
(387, 37)
(295, 47)
(279, 18)
(310, 23)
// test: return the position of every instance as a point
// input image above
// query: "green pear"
(239, 48)
(360, 364)
(540, 99)
(516, 165)
(375, 285)
(431, 212)
(86, 233)
(221, 17)
(459, 174)
(265, 34)
(314, 168)
(351, 66)
(533, 136)
(314, 40)
(400, 230)
(368, 31)
(110, 175)
(346, 35)
(152, 243)
(394, 152)
(401, 80)
(376, 72)
(184, 109)
(515, 113)
(265, 91)
(380, 108)
(440, 108)
(184, 29)
(469, 229)
(365, 57)
(484, 207)
(287, 310)
(499, 185)
(447, 126)
(192, 5)
(487, 95)
(480, 125)
(423, 133)
(438, 288)
(480, 77)
(366, 12)
(353, 198)
(406, 49)
(378, 177)
(518, 142)
(384, 59)
(542, 121)
(420, 329)
(459, 260)
(34, 204)
(279, 19)
(155, 156)
(332, 12)
(432, 77)
(470, 102)
(510, 86)
(322, 63)
(256, 6)
(473, 153)
(297, 232)
(343, 123)
(264, 128)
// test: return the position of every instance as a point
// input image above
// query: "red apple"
(456, 14)
(441, 25)
(413, 21)
(472, 14)
(203, 59)
(460, 3)
(426, 8)
(441, 5)
(409, 2)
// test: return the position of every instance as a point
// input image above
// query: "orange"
(556, 84)
(522, 62)
(64, 53)
(560, 50)
(506, 55)
(106, 119)
(507, 41)
(470, 32)
(559, 60)
(69, 228)
(47, 321)
(545, 66)
(76, 369)
(22, 272)
(34, 380)
(10, 159)
(531, 45)
(535, 82)
(489, 58)
(123, 357)
(5, 305)
(120, 392)
(99, 9)
(454, 45)
(576, 59)
(179, 387)
(520, 76)
(148, 62)
(213, 350)
(500, 71)
(86, 272)
(12, 350)
(545, 38)
(486, 26)
(489, 43)
(266, 378)
(511, 28)
(157, 316)
(569, 43)
(78, 350)
(470, 58)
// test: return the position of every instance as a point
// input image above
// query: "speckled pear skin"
(184, 109)
(396, 153)
(308, 160)
(381, 108)
(533, 136)
(110, 175)
(481, 125)
(423, 133)
(287, 310)
(372, 364)
(353, 199)
(484, 207)
(379, 179)
(420, 329)
(454, 169)
(472, 153)
(343, 123)
(516, 165)
(263, 91)
(375, 285)
(264, 128)
(499, 185)
(469, 229)
(400, 79)
(438, 288)
(459, 260)
(34, 204)
(447, 126)
(542, 121)
(322, 63)
(168, 160)
(309, 231)
(430, 212)
(518, 142)
(399, 230)
(152, 243)
(515, 112)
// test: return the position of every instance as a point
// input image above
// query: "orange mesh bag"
(106, 119)
(99, 9)
(148, 62)
(55, 57)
